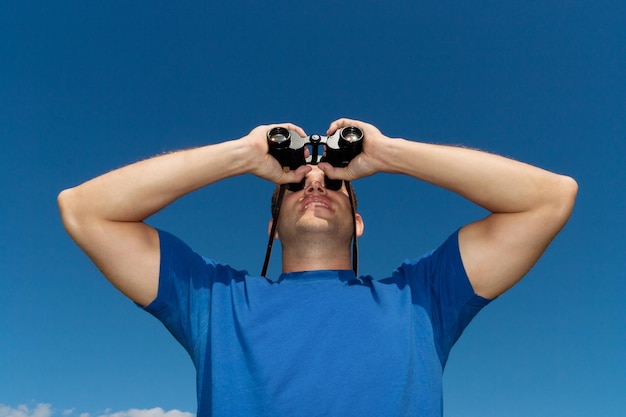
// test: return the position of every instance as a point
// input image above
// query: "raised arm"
(105, 216)
(528, 205)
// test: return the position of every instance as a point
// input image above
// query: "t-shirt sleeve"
(184, 294)
(440, 284)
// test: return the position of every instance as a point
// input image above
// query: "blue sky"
(86, 87)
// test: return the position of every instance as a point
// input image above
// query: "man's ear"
(269, 229)
(360, 225)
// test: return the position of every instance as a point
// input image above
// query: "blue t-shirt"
(320, 343)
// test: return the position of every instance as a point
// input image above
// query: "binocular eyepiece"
(288, 147)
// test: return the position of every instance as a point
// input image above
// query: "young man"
(319, 341)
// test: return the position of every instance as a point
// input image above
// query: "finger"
(340, 123)
(291, 126)
(288, 126)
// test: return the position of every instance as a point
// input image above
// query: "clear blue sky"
(89, 86)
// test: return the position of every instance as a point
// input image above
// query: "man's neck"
(315, 256)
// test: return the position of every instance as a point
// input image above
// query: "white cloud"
(40, 410)
(153, 412)
(45, 410)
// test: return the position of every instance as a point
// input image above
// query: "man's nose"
(315, 186)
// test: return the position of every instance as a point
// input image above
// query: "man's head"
(315, 222)
(313, 206)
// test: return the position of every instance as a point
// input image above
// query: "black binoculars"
(338, 149)
(288, 147)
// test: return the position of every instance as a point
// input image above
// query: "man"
(319, 341)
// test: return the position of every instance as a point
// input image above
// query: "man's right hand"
(265, 165)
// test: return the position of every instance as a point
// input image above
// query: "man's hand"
(263, 164)
(367, 162)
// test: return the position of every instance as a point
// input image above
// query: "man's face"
(315, 209)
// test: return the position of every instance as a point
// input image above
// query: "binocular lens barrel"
(351, 134)
(279, 135)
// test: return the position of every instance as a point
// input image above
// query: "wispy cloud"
(40, 410)
(46, 410)
(153, 412)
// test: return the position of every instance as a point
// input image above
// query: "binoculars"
(338, 149)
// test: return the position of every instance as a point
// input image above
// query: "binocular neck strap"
(279, 202)
(270, 242)
(355, 245)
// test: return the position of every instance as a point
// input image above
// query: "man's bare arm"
(528, 205)
(105, 216)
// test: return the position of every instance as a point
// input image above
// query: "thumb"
(295, 176)
(336, 173)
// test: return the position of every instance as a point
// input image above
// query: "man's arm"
(528, 205)
(105, 216)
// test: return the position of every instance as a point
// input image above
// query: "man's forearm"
(498, 184)
(136, 191)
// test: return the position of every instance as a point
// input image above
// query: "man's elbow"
(563, 198)
(69, 209)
